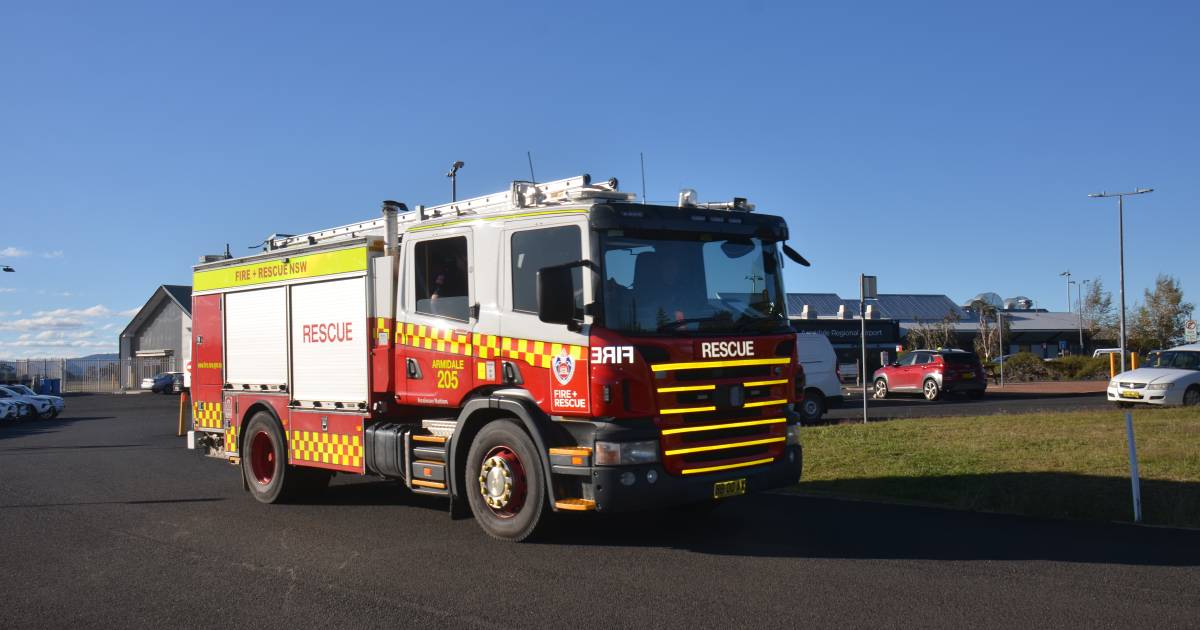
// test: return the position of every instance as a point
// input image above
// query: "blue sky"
(945, 147)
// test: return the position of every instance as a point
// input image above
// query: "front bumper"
(1145, 396)
(612, 495)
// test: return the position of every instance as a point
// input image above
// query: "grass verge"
(1061, 465)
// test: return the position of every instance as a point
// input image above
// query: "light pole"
(1121, 240)
(1080, 294)
(1067, 274)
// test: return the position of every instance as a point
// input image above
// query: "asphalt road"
(899, 406)
(106, 520)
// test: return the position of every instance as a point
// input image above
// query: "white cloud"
(7, 290)
(58, 253)
(13, 252)
(98, 310)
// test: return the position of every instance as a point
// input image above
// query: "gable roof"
(179, 294)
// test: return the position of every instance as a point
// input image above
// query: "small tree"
(1158, 323)
(987, 339)
(939, 334)
(1098, 313)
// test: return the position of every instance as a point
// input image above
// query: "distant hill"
(111, 356)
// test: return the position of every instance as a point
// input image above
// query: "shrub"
(1025, 366)
(1079, 368)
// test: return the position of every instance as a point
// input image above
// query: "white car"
(57, 404)
(1175, 380)
(822, 386)
(42, 408)
(9, 411)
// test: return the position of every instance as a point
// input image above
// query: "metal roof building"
(158, 338)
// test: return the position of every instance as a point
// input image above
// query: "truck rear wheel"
(504, 482)
(264, 461)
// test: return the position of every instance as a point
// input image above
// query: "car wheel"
(881, 388)
(47, 415)
(931, 390)
(1191, 397)
(812, 407)
(504, 482)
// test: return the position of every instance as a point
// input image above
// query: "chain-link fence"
(84, 375)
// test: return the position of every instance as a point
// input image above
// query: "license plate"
(966, 376)
(1129, 394)
(731, 488)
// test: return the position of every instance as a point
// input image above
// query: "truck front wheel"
(504, 483)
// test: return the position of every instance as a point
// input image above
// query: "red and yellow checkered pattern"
(206, 415)
(338, 449)
(535, 353)
(231, 438)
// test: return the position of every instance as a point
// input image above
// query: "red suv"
(932, 373)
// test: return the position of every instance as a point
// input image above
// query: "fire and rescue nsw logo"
(563, 367)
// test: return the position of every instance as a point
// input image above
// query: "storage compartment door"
(256, 337)
(329, 342)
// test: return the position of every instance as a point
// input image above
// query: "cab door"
(434, 350)
(551, 359)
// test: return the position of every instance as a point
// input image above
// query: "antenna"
(642, 157)
(532, 179)
(228, 255)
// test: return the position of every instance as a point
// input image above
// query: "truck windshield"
(702, 283)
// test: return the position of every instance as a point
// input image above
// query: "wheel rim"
(930, 390)
(810, 408)
(1191, 397)
(502, 482)
(880, 389)
(262, 458)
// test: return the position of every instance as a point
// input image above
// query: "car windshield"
(21, 389)
(1179, 360)
(702, 283)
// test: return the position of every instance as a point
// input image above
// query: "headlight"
(793, 434)
(1114, 383)
(626, 453)
(1160, 386)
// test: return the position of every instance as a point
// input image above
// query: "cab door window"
(533, 250)
(440, 278)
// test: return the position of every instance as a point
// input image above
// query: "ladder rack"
(520, 195)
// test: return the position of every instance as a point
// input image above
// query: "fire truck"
(552, 347)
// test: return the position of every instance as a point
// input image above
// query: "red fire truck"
(551, 347)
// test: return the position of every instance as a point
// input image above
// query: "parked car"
(57, 404)
(1175, 380)
(164, 383)
(932, 373)
(41, 408)
(10, 411)
(822, 388)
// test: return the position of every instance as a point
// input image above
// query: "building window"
(533, 250)
(440, 267)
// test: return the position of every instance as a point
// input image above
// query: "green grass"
(1061, 465)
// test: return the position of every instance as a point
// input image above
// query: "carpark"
(105, 504)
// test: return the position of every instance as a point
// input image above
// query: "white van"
(822, 387)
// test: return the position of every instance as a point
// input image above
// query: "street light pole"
(1121, 237)
(1081, 316)
(1067, 275)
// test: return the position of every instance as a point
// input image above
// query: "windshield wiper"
(672, 325)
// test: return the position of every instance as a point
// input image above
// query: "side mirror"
(556, 295)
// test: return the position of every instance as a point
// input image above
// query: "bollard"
(1135, 479)
(182, 406)
(1112, 365)
(1133, 361)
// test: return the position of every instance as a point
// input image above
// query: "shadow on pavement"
(784, 525)
(35, 427)
(132, 502)
(790, 525)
